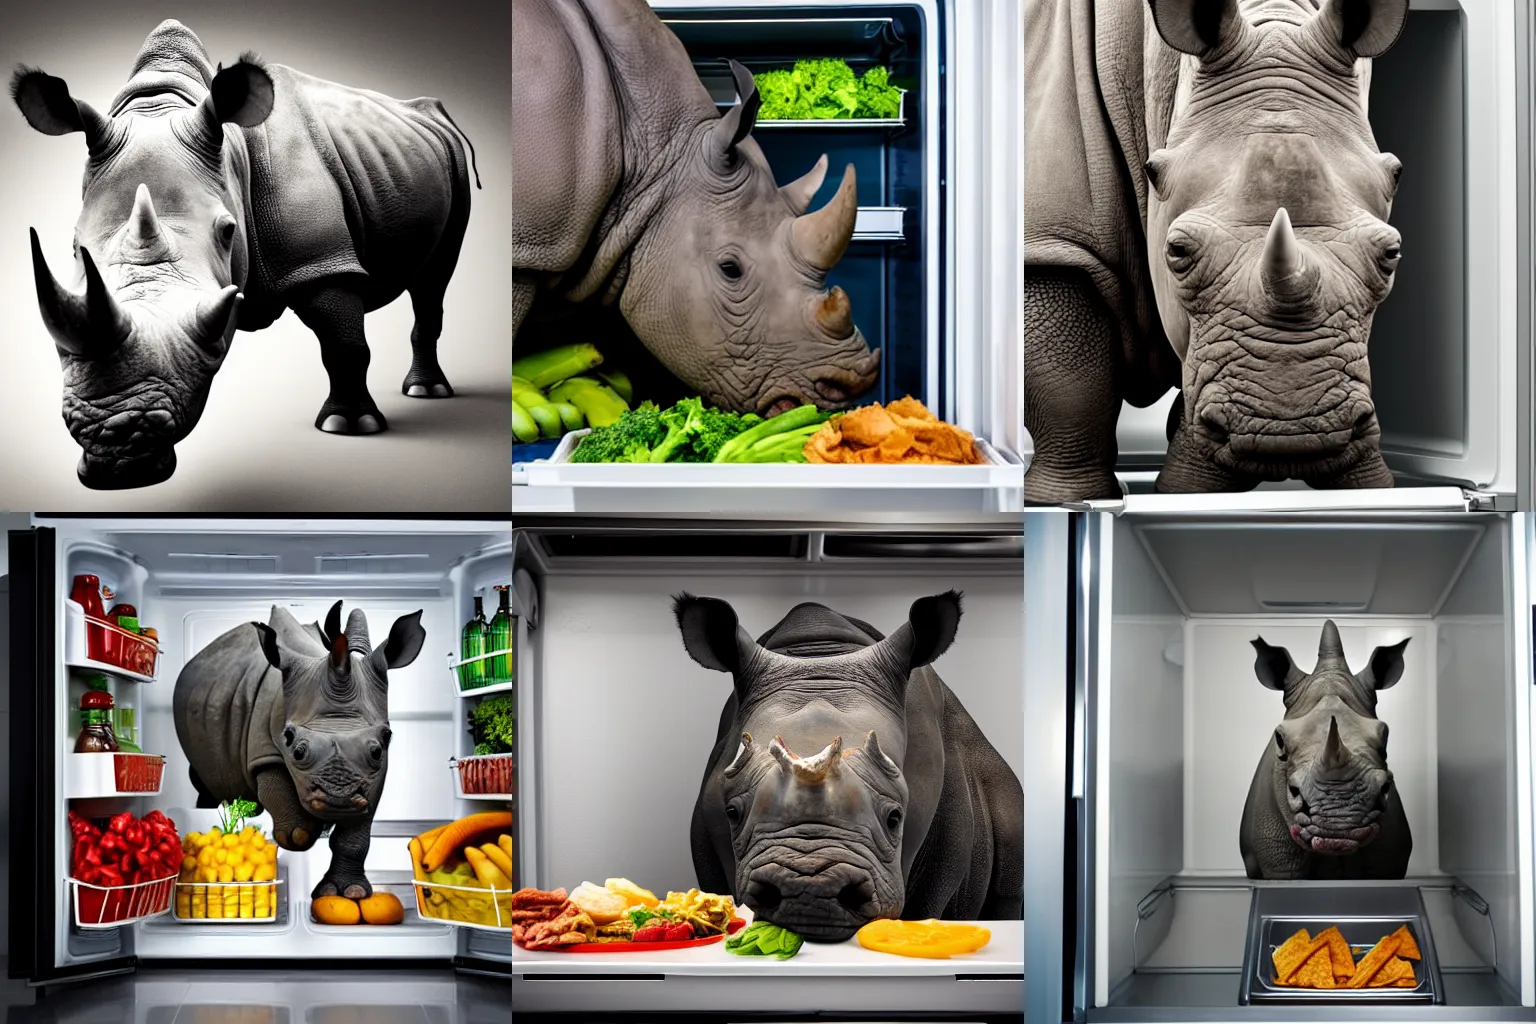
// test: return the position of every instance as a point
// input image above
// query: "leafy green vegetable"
(826, 89)
(640, 915)
(233, 814)
(493, 724)
(486, 748)
(687, 432)
(763, 939)
(630, 438)
(741, 448)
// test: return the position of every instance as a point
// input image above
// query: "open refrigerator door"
(112, 612)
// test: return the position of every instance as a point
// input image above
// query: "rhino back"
(228, 707)
(1085, 197)
(566, 166)
(349, 181)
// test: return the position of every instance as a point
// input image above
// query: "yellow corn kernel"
(243, 872)
(221, 856)
(226, 873)
(183, 904)
(231, 902)
(263, 873)
(235, 858)
(189, 863)
(230, 841)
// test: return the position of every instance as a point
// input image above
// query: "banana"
(529, 400)
(619, 381)
(548, 420)
(524, 427)
(598, 402)
(545, 368)
(570, 415)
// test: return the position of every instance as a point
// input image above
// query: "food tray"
(1363, 913)
(836, 122)
(487, 765)
(648, 947)
(494, 905)
(103, 906)
(484, 688)
(208, 890)
(113, 774)
(87, 645)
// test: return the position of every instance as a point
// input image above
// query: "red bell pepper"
(119, 822)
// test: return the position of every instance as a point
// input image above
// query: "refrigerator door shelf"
(1373, 501)
(92, 776)
(459, 764)
(100, 906)
(220, 891)
(478, 691)
(472, 895)
(880, 224)
(77, 653)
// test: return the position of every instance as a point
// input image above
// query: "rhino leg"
(335, 313)
(1071, 401)
(349, 848)
(426, 378)
(1264, 833)
(292, 828)
(205, 797)
(523, 291)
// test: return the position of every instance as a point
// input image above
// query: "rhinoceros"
(922, 819)
(213, 201)
(1206, 209)
(1323, 804)
(629, 188)
(296, 718)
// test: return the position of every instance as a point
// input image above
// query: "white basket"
(222, 888)
(453, 671)
(454, 765)
(137, 902)
(95, 775)
(492, 896)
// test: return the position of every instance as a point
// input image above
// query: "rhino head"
(1267, 227)
(335, 735)
(1331, 779)
(816, 828)
(160, 250)
(727, 287)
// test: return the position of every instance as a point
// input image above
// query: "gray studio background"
(256, 451)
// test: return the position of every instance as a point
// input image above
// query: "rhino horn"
(341, 662)
(835, 315)
(798, 193)
(872, 748)
(1330, 648)
(810, 770)
(142, 224)
(91, 326)
(822, 237)
(213, 318)
(1284, 269)
(1335, 753)
(743, 755)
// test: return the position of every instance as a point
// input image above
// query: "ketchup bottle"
(86, 592)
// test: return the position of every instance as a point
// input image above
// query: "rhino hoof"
(428, 391)
(356, 892)
(340, 423)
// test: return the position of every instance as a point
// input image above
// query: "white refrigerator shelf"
(91, 776)
(477, 691)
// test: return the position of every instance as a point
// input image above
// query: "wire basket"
(112, 906)
(251, 902)
(483, 673)
(483, 776)
(465, 905)
(109, 643)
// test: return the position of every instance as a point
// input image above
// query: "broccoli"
(493, 724)
(830, 87)
(781, 97)
(826, 89)
(682, 421)
(482, 749)
(620, 441)
(718, 428)
(877, 97)
(696, 434)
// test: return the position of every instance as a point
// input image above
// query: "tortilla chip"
(1391, 973)
(1373, 961)
(1317, 972)
(1406, 983)
(1290, 955)
(1409, 948)
(1338, 952)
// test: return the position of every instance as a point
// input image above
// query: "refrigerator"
(933, 272)
(192, 580)
(1152, 681)
(618, 724)
(1449, 348)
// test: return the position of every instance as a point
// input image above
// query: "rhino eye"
(1389, 258)
(387, 735)
(301, 750)
(731, 269)
(375, 751)
(893, 819)
(1180, 253)
(226, 233)
(733, 814)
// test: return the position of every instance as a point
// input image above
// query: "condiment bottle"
(86, 592)
(96, 735)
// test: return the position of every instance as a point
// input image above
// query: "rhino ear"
(737, 123)
(241, 94)
(1366, 28)
(1197, 27)
(405, 639)
(712, 635)
(48, 107)
(267, 637)
(1386, 666)
(1274, 666)
(929, 630)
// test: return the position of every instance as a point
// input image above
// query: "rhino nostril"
(1214, 419)
(764, 894)
(854, 896)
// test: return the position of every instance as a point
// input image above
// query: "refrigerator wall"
(1445, 347)
(1178, 722)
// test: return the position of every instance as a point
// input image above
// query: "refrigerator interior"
(618, 724)
(194, 580)
(1443, 346)
(1180, 722)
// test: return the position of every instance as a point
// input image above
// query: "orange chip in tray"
(1317, 972)
(1338, 952)
(1374, 961)
(1290, 955)
(1408, 948)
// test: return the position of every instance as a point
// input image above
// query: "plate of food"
(619, 917)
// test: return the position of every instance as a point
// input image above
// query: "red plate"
(645, 947)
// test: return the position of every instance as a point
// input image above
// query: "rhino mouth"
(1333, 843)
(829, 389)
(821, 893)
(1276, 448)
(110, 469)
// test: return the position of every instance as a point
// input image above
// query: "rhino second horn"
(213, 318)
(835, 315)
(872, 748)
(814, 769)
(1335, 753)
(743, 755)
(142, 225)
(799, 193)
(822, 237)
(90, 326)
(1286, 272)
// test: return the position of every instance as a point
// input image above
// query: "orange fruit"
(382, 908)
(930, 939)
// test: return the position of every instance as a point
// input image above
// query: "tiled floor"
(259, 997)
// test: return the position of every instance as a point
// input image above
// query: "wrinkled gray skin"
(1207, 210)
(296, 718)
(1322, 804)
(922, 819)
(213, 202)
(629, 187)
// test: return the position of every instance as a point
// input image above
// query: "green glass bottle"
(472, 645)
(500, 638)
